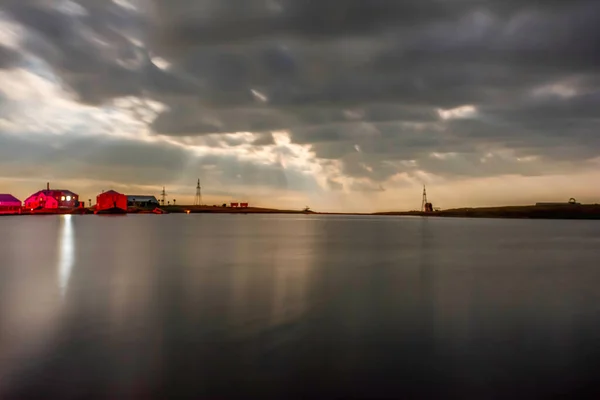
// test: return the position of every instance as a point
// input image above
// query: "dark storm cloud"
(93, 47)
(9, 58)
(391, 148)
(185, 22)
(551, 108)
(360, 80)
(193, 119)
(69, 157)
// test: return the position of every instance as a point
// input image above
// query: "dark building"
(142, 201)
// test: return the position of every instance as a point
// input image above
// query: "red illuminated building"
(111, 201)
(52, 200)
(9, 204)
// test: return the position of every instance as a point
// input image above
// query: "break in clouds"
(299, 98)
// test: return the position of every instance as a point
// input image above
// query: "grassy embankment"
(591, 211)
(587, 211)
(228, 210)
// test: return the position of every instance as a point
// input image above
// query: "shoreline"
(587, 212)
(565, 212)
(562, 212)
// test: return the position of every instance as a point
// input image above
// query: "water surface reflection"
(66, 254)
(227, 306)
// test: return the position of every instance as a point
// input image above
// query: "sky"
(341, 105)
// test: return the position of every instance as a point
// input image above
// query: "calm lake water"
(253, 306)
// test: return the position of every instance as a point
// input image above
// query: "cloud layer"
(372, 95)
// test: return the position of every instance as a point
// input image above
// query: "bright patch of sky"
(126, 4)
(466, 111)
(71, 8)
(259, 96)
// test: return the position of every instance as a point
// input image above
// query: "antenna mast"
(198, 199)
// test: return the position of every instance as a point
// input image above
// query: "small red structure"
(111, 200)
(235, 205)
(244, 205)
(9, 204)
(52, 200)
